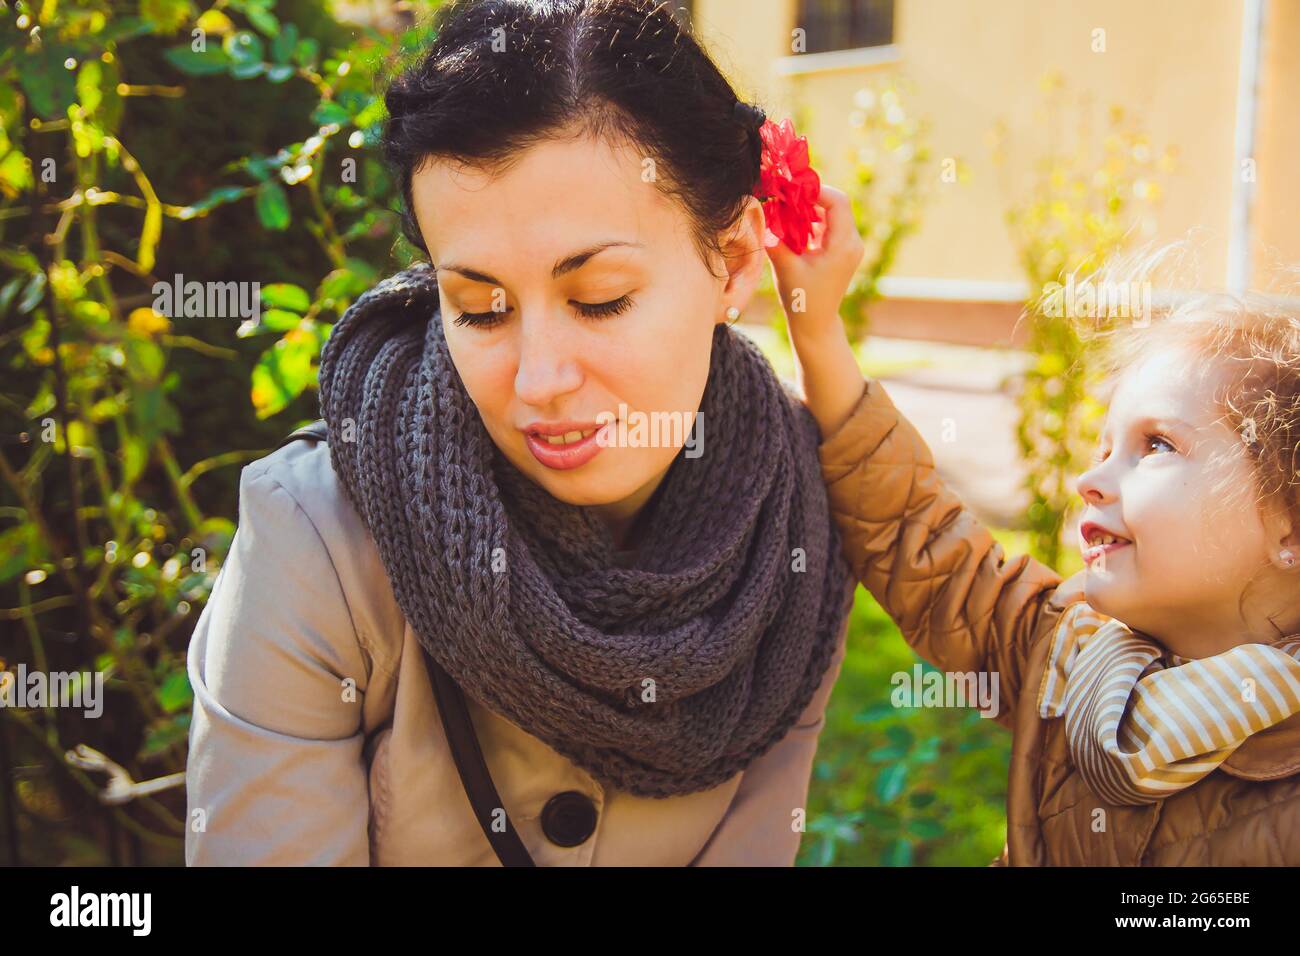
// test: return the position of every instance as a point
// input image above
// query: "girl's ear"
(1284, 539)
(743, 257)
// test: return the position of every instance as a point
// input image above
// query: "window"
(845, 24)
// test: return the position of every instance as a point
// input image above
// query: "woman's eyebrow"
(568, 264)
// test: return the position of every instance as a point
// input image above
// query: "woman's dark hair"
(503, 75)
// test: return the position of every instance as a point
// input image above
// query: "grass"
(903, 786)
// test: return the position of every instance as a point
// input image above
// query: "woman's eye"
(481, 320)
(603, 310)
(590, 310)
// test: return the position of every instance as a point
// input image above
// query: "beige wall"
(1173, 62)
(1278, 197)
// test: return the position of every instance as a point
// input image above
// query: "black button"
(569, 818)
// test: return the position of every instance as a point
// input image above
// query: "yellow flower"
(147, 322)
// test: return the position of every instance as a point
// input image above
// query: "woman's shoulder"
(295, 494)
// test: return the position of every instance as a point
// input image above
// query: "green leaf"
(327, 111)
(373, 112)
(263, 19)
(33, 294)
(90, 85)
(899, 853)
(283, 371)
(124, 28)
(890, 782)
(152, 414)
(341, 285)
(166, 16)
(900, 736)
(284, 295)
(279, 73)
(163, 734)
(174, 693)
(48, 83)
(925, 829)
(215, 534)
(244, 47)
(285, 42)
(222, 194)
(8, 292)
(213, 60)
(246, 71)
(16, 172)
(144, 359)
(20, 549)
(272, 204)
(306, 52)
(135, 456)
(278, 320)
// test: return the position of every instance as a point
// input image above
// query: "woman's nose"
(547, 368)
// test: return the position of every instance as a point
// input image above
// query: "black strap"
(315, 430)
(482, 792)
(484, 800)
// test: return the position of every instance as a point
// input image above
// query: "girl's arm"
(932, 565)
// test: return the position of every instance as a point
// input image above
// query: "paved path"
(961, 400)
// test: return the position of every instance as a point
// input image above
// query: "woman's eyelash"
(603, 310)
(597, 310)
(480, 320)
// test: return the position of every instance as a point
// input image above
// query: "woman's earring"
(1288, 558)
(733, 314)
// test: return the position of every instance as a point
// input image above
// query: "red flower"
(789, 188)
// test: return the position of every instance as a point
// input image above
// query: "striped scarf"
(1143, 723)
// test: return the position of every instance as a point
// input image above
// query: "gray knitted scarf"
(665, 677)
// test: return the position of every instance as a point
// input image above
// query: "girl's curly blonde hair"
(1252, 338)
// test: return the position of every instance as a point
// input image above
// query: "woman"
(646, 622)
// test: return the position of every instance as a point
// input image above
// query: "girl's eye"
(1161, 439)
(590, 310)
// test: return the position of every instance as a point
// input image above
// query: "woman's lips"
(564, 457)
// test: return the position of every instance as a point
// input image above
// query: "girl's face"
(1172, 480)
(572, 295)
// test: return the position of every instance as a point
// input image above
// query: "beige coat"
(316, 739)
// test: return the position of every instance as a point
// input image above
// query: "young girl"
(1155, 696)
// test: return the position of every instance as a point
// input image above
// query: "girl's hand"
(812, 285)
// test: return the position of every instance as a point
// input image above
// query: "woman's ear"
(743, 257)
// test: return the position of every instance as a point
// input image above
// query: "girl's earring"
(733, 314)
(1288, 557)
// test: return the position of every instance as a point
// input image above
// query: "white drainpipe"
(1243, 191)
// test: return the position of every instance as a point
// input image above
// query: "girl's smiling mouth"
(1097, 541)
